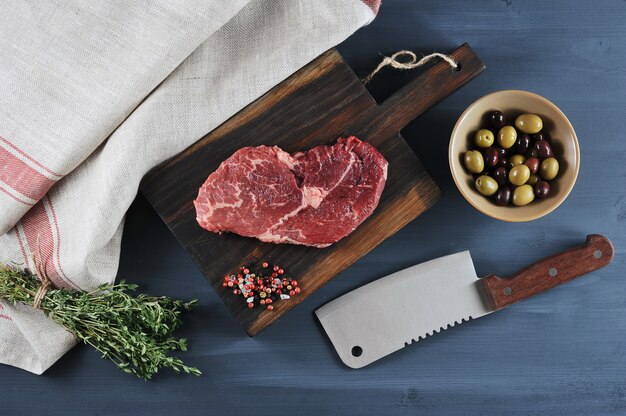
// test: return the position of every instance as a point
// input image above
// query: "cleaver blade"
(386, 315)
(403, 307)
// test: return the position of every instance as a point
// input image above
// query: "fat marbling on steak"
(314, 198)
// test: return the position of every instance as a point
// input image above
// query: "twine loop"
(40, 269)
(411, 63)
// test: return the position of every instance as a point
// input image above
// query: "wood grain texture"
(560, 353)
(321, 102)
(597, 252)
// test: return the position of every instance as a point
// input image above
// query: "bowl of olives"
(514, 155)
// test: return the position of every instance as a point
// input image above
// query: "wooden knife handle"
(596, 253)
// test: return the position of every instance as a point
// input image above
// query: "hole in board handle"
(357, 351)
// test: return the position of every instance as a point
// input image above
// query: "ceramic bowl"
(513, 103)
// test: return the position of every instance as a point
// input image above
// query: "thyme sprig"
(132, 331)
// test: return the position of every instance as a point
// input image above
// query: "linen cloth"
(95, 94)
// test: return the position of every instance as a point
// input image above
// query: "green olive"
(507, 136)
(517, 160)
(474, 161)
(529, 123)
(519, 175)
(483, 138)
(549, 168)
(486, 185)
(534, 178)
(523, 195)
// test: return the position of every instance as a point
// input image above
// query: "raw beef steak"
(313, 198)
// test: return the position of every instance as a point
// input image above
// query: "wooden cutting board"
(319, 103)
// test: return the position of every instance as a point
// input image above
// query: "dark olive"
(504, 162)
(542, 189)
(542, 135)
(533, 164)
(502, 152)
(503, 196)
(501, 175)
(491, 156)
(496, 119)
(532, 153)
(523, 143)
(543, 149)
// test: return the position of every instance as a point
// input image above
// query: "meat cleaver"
(386, 315)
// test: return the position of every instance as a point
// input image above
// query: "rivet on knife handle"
(596, 253)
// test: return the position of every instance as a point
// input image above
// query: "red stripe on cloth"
(373, 4)
(21, 152)
(6, 191)
(3, 315)
(38, 231)
(20, 176)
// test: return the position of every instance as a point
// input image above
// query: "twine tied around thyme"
(412, 63)
(133, 331)
(40, 269)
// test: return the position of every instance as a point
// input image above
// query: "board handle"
(596, 253)
(432, 84)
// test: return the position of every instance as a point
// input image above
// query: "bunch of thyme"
(132, 331)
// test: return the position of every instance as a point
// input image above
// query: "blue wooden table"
(562, 352)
